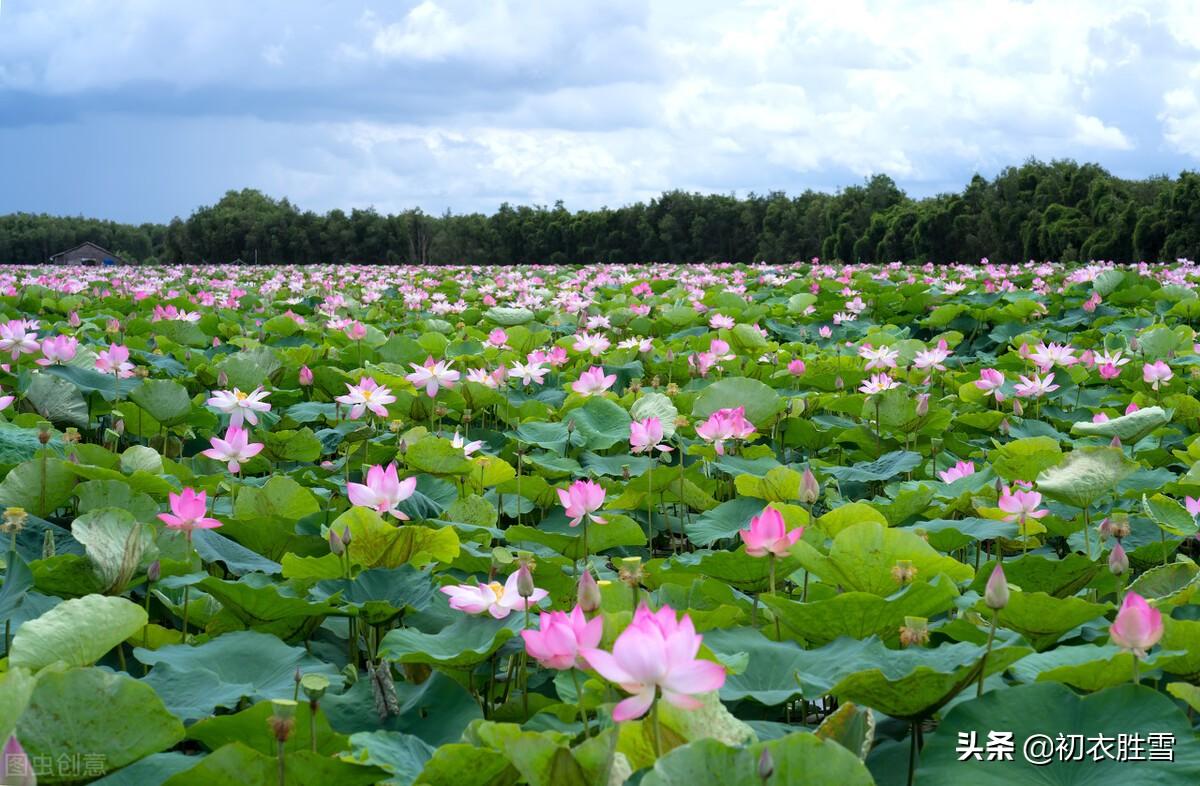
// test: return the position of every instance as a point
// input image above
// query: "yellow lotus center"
(497, 589)
(366, 394)
(239, 395)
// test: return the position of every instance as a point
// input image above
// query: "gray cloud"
(143, 110)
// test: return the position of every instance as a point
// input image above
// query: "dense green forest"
(1059, 210)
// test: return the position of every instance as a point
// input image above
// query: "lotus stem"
(988, 651)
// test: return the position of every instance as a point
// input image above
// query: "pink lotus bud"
(15, 766)
(1138, 626)
(73, 319)
(1116, 442)
(922, 405)
(335, 543)
(1118, 560)
(222, 379)
(996, 593)
(588, 595)
(306, 376)
(153, 573)
(766, 765)
(525, 586)
(810, 489)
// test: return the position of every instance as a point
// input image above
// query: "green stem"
(649, 507)
(657, 731)
(988, 651)
(579, 700)
(1136, 678)
(279, 746)
(912, 753)
(771, 580)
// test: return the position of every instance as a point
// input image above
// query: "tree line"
(1058, 210)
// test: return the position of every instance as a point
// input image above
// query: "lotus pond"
(710, 524)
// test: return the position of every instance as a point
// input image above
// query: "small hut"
(88, 254)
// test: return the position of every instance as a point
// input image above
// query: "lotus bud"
(1018, 410)
(306, 376)
(1118, 560)
(282, 720)
(766, 765)
(525, 585)
(903, 572)
(222, 379)
(1105, 528)
(922, 405)
(402, 446)
(996, 593)
(119, 426)
(1004, 427)
(297, 675)
(588, 594)
(15, 767)
(999, 486)
(48, 547)
(335, 543)
(810, 489)
(345, 535)
(839, 383)
(1116, 442)
(571, 426)
(914, 632)
(154, 571)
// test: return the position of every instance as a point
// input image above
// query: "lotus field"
(709, 524)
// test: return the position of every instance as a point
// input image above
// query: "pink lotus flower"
(932, 358)
(720, 349)
(796, 367)
(883, 357)
(1034, 386)
(57, 350)
(467, 447)
(1191, 503)
(188, 511)
(493, 598)
(878, 383)
(825, 331)
(383, 491)
(723, 425)
(582, 499)
(595, 344)
(646, 436)
(6, 401)
(531, 373)
(234, 449)
(655, 652)
(367, 394)
(1133, 407)
(356, 331)
(1156, 373)
(959, 470)
(305, 376)
(990, 380)
(240, 406)
(560, 636)
(115, 360)
(18, 338)
(1138, 626)
(433, 376)
(768, 534)
(1046, 356)
(593, 381)
(1021, 505)
(498, 339)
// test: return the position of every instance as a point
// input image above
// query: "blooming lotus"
(959, 470)
(58, 350)
(188, 512)
(367, 395)
(1020, 505)
(560, 637)
(646, 436)
(581, 500)
(723, 425)
(1034, 386)
(1046, 356)
(495, 599)
(1138, 626)
(717, 321)
(883, 357)
(1154, 374)
(768, 534)
(6, 401)
(383, 491)
(240, 406)
(17, 338)
(432, 376)
(467, 447)
(878, 383)
(796, 367)
(656, 652)
(235, 448)
(595, 344)
(932, 358)
(531, 373)
(990, 381)
(114, 360)
(593, 381)
(356, 331)
(498, 339)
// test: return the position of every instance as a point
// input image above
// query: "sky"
(142, 110)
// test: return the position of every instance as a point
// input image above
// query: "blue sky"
(141, 110)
